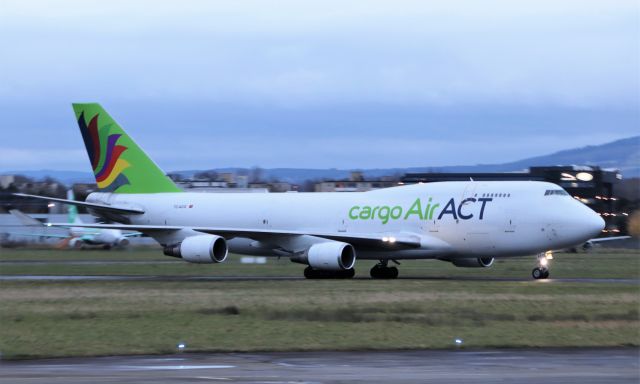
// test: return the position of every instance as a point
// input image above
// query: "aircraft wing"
(402, 240)
(94, 206)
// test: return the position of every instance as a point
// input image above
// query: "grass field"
(82, 318)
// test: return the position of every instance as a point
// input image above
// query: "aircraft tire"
(310, 273)
(380, 272)
(349, 273)
(540, 273)
(537, 273)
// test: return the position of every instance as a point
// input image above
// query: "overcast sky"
(319, 84)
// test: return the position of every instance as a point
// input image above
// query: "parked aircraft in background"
(77, 237)
(468, 224)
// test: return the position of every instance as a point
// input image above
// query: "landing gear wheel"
(309, 273)
(383, 272)
(540, 273)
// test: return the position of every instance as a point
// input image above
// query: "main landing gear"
(311, 273)
(542, 270)
(383, 271)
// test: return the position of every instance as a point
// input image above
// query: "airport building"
(592, 185)
(352, 186)
(355, 183)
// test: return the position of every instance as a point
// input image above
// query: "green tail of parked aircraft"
(468, 224)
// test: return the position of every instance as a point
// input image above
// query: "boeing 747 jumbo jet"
(468, 224)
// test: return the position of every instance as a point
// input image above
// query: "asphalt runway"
(287, 278)
(457, 366)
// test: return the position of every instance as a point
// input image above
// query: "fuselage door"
(342, 225)
(469, 191)
(510, 221)
(433, 226)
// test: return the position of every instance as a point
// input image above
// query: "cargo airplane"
(468, 224)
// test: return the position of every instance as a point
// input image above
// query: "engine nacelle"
(201, 249)
(329, 256)
(122, 242)
(480, 262)
(75, 242)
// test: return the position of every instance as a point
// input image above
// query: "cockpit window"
(561, 192)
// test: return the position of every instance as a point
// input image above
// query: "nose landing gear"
(383, 271)
(540, 273)
(542, 270)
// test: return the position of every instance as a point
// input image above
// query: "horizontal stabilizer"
(47, 235)
(97, 207)
(25, 219)
(28, 221)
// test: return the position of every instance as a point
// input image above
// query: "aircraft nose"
(593, 224)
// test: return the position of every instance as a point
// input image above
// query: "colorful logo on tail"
(104, 153)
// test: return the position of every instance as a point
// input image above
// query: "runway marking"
(172, 367)
(293, 365)
(212, 378)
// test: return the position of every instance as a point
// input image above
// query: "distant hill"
(621, 154)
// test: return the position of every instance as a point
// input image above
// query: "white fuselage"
(474, 219)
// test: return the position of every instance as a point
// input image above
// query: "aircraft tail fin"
(72, 209)
(119, 164)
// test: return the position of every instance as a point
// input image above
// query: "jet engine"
(201, 249)
(328, 256)
(122, 242)
(75, 242)
(480, 262)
